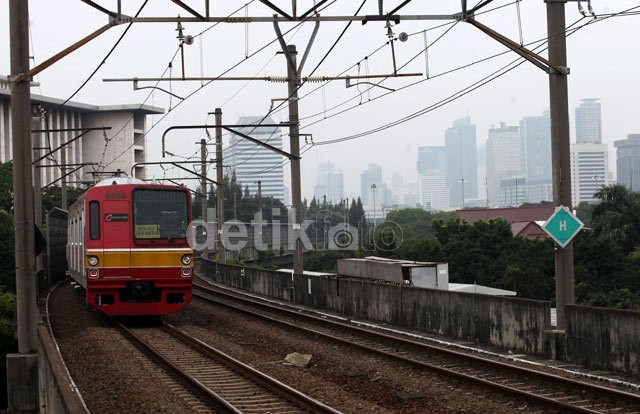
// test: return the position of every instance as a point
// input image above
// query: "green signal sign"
(562, 226)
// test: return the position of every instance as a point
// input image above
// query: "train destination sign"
(562, 226)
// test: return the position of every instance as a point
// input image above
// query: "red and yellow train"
(127, 247)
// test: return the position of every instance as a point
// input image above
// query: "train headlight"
(93, 260)
(186, 259)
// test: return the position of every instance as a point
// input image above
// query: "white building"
(589, 171)
(433, 193)
(256, 165)
(89, 155)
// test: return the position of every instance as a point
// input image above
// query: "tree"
(7, 248)
(617, 216)
(6, 186)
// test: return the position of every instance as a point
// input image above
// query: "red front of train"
(127, 247)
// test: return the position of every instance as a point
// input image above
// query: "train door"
(117, 238)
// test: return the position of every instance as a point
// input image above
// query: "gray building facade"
(461, 161)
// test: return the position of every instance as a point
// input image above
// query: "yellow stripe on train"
(140, 258)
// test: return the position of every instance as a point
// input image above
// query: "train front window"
(160, 214)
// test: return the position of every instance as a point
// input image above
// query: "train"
(127, 247)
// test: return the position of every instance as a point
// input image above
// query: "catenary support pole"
(203, 173)
(560, 157)
(22, 368)
(219, 186)
(294, 140)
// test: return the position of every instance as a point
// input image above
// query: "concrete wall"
(603, 338)
(58, 393)
(516, 324)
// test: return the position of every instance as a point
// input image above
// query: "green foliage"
(617, 216)
(416, 223)
(7, 256)
(8, 342)
(327, 260)
(584, 211)
(6, 186)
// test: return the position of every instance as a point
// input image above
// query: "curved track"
(548, 390)
(230, 385)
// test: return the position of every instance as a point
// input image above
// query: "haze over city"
(464, 74)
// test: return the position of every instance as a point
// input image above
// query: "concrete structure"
(253, 163)
(372, 175)
(504, 160)
(628, 161)
(421, 274)
(589, 122)
(589, 171)
(108, 151)
(599, 338)
(535, 133)
(462, 161)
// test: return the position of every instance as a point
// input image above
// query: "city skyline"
(367, 124)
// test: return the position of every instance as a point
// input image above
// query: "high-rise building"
(369, 177)
(253, 163)
(589, 171)
(461, 161)
(431, 159)
(512, 192)
(589, 122)
(504, 159)
(628, 161)
(94, 154)
(330, 183)
(535, 133)
(433, 193)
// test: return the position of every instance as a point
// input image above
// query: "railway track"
(230, 385)
(542, 388)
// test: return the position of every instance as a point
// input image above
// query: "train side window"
(94, 220)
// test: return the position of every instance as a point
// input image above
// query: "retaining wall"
(603, 338)
(58, 393)
(509, 323)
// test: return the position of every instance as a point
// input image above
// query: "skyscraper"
(370, 176)
(461, 161)
(252, 162)
(589, 171)
(535, 133)
(504, 159)
(628, 161)
(433, 193)
(330, 183)
(589, 122)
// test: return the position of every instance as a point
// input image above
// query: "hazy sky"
(603, 55)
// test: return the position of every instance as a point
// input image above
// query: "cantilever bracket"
(531, 56)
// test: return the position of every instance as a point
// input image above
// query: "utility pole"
(203, 173)
(36, 123)
(63, 184)
(220, 185)
(22, 368)
(560, 157)
(294, 140)
(259, 196)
